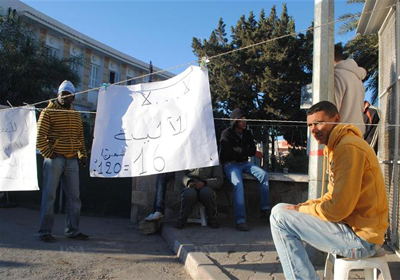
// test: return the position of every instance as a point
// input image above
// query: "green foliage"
(350, 20)
(264, 80)
(296, 161)
(28, 73)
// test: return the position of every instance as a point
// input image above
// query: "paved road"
(116, 250)
(240, 255)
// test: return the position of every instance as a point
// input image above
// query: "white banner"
(18, 171)
(154, 127)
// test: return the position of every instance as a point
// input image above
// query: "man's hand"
(83, 161)
(199, 185)
(293, 207)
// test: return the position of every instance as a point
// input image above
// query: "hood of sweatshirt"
(351, 65)
(339, 131)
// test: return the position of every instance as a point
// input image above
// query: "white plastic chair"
(343, 266)
(198, 215)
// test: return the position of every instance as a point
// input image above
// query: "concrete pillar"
(42, 35)
(106, 70)
(86, 74)
(66, 48)
(124, 69)
(323, 89)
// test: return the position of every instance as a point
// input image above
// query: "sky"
(161, 30)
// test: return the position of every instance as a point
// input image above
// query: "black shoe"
(179, 225)
(80, 236)
(214, 225)
(48, 238)
(242, 227)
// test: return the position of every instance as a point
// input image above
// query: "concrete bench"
(289, 188)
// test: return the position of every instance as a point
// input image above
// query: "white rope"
(294, 123)
(214, 56)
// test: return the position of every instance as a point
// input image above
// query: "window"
(52, 51)
(75, 63)
(130, 82)
(113, 77)
(94, 70)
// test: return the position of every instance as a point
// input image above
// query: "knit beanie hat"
(66, 86)
(236, 114)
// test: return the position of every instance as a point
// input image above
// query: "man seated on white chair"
(199, 185)
(349, 220)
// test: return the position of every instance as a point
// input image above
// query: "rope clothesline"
(294, 123)
(205, 59)
(211, 57)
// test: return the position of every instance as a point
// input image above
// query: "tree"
(264, 80)
(363, 49)
(350, 20)
(28, 73)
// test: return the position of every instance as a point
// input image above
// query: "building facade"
(101, 63)
(383, 17)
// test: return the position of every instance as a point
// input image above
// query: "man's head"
(65, 91)
(321, 119)
(338, 52)
(238, 114)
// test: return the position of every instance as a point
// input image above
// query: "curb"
(197, 264)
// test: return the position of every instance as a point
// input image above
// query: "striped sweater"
(60, 132)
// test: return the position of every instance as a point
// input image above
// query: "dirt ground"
(115, 250)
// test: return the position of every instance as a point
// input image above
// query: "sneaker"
(158, 215)
(179, 225)
(150, 217)
(242, 227)
(214, 225)
(80, 236)
(48, 238)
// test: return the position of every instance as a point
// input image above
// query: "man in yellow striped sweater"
(60, 140)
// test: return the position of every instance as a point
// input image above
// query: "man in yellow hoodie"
(60, 141)
(350, 219)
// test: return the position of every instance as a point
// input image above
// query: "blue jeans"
(161, 188)
(291, 228)
(66, 171)
(233, 172)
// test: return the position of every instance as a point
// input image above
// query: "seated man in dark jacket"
(236, 146)
(199, 185)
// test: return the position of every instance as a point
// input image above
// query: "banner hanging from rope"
(18, 170)
(154, 127)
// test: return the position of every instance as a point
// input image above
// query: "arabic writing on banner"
(18, 171)
(154, 127)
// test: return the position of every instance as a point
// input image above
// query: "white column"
(323, 88)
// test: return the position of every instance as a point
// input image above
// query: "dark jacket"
(234, 148)
(212, 176)
(371, 116)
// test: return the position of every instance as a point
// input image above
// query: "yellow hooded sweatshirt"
(356, 190)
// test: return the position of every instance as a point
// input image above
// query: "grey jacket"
(212, 176)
